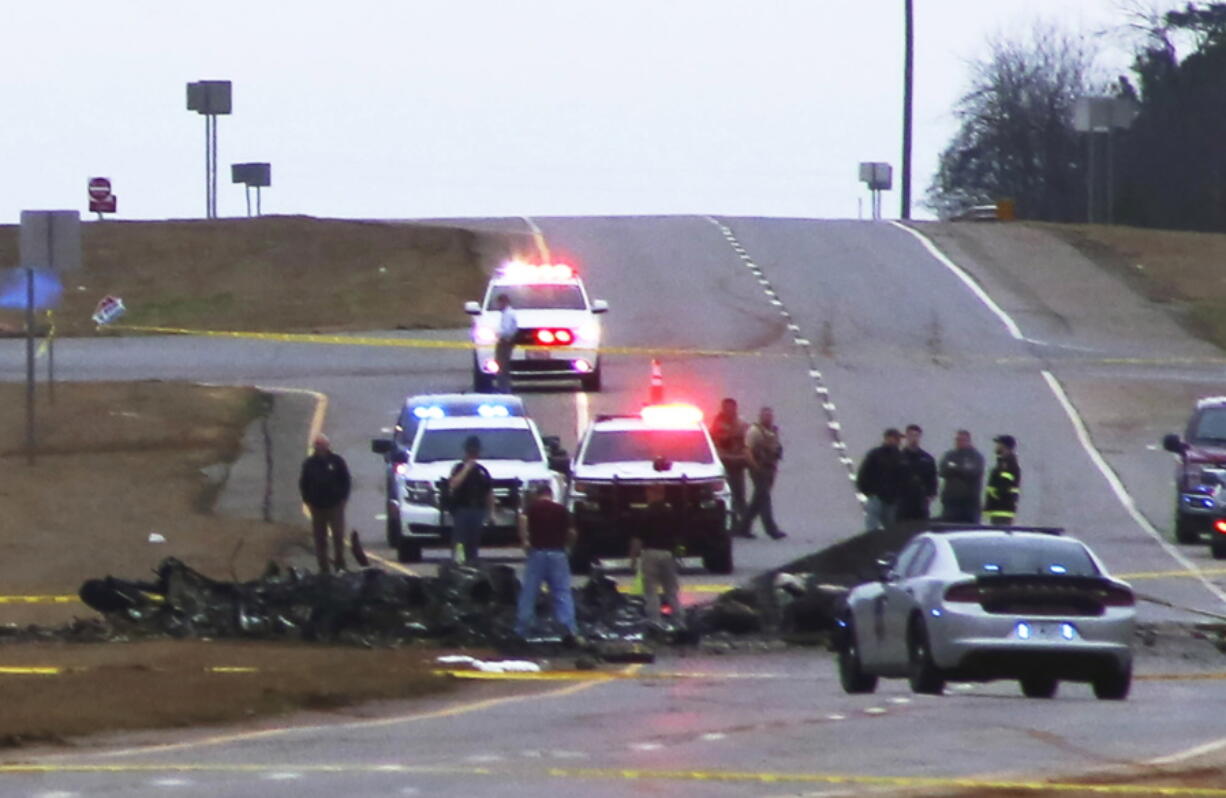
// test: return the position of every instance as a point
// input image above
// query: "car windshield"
(621, 446)
(1211, 425)
(496, 444)
(539, 297)
(1017, 555)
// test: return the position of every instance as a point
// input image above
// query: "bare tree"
(1016, 138)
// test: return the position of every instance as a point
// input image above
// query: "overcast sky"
(489, 108)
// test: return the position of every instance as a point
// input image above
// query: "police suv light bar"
(671, 415)
(523, 272)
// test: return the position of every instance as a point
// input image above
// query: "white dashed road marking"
(828, 406)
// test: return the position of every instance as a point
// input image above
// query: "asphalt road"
(844, 328)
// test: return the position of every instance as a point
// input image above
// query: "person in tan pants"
(652, 548)
(324, 484)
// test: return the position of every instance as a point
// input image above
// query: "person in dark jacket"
(880, 479)
(471, 492)
(1004, 484)
(324, 484)
(919, 483)
(653, 546)
(961, 468)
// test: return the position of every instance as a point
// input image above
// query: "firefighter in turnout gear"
(1004, 484)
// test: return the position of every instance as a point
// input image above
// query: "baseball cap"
(1007, 440)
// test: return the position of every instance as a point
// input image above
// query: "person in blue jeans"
(472, 502)
(545, 531)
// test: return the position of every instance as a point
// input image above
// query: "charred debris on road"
(468, 606)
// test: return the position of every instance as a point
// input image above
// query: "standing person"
(1004, 483)
(763, 450)
(471, 492)
(324, 484)
(879, 478)
(962, 469)
(508, 329)
(728, 434)
(545, 532)
(652, 546)
(919, 485)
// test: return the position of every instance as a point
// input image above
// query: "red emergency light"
(675, 414)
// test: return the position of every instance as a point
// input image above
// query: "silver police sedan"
(983, 604)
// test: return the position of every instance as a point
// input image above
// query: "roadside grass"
(1183, 269)
(179, 683)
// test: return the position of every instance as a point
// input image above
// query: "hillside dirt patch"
(1181, 268)
(271, 273)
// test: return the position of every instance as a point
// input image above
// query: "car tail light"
(965, 592)
(554, 337)
(1219, 526)
(1118, 596)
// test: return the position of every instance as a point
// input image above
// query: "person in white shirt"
(508, 328)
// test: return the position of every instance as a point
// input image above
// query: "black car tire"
(1113, 684)
(851, 672)
(408, 550)
(1218, 550)
(926, 677)
(580, 559)
(1039, 686)
(394, 533)
(1186, 529)
(591, 382)
(718, 558)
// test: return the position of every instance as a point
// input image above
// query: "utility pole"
(908, 75)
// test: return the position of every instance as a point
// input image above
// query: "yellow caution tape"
(231, 669)
(1181, 573)
(425, 343)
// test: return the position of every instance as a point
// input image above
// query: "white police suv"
(620, 455)
(559, 327)
(512, 450)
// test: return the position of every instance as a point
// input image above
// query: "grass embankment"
(1169, 266)
(285, 274)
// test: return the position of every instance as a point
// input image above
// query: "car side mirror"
(600, 306)
(381, 445)
(472, 308)
(1172, 444)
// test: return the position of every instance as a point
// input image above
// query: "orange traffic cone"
(657, 383)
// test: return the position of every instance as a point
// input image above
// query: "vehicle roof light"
(523, 272)
(428, 411)
(669, 415)
(493, 411)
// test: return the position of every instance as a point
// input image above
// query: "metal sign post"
(51, 241)
(210, 98)
(251, 175)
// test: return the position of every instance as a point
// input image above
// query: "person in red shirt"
(545, 531)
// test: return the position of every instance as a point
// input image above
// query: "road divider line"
(62, 599)
(980, 785)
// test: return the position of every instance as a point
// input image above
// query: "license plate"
(538, 354)
(1045, 630)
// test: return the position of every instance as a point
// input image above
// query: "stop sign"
(99, 188)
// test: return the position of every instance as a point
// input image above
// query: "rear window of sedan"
(1017, 556)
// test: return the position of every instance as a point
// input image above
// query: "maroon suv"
(1200, 475)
